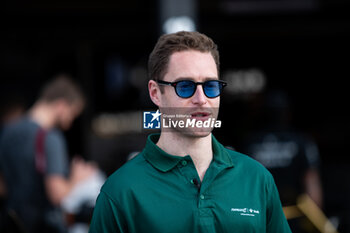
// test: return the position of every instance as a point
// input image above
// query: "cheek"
(170, 99)
(215, 103)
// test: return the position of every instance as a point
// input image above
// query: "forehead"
(192, 64)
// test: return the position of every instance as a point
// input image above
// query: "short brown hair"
(62, 87)
(176, 42)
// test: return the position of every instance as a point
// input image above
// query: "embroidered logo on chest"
(246, 211)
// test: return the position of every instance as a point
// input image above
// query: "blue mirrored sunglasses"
(187, 88)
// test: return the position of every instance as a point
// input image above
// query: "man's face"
(68, 114)
(198, 67)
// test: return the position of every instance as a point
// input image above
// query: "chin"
(195, 133)
(198, 134)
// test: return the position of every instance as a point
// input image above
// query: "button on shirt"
(160, 193)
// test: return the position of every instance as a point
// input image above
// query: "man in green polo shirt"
(185, 180)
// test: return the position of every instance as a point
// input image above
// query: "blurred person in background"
(185, 180)
(34, 162)
(290, 156)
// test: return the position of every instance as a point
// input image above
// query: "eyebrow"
(192, 79)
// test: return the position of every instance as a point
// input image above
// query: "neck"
(199, 148)
(43, 115)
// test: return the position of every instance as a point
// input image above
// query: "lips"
(201, 115)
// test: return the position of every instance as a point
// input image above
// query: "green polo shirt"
(159, 193)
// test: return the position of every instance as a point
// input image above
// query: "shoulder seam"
(109, 197)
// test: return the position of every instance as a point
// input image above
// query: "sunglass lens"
(212, 89)
(185, 89)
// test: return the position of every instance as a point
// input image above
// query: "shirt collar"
(221, 155)
(165, 162)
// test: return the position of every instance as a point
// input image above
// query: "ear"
(154, 92)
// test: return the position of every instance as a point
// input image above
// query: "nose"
(199, 97)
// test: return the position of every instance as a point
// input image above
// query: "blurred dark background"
(299, 47)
